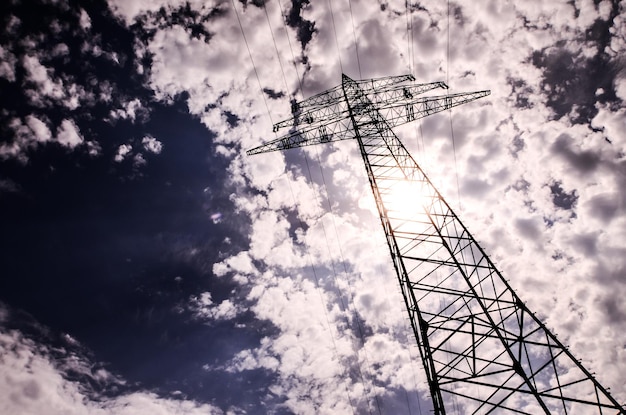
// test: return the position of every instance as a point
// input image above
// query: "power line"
(293, 57)
(345, 269)
(276, 48)
(411, 64)
(456, 169)
(319, 288)
(252, 60)
(335, 349)
(409, 34)
(359, 325)
(319, 291)
(332, 262)
(356, 45)
(332, 15)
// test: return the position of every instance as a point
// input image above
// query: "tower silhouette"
(480, 345)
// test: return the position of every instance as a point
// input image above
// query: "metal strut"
(480, 345)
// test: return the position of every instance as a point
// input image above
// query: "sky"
(150, 267)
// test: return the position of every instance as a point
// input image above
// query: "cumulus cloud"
(7, 64)
(85, 20)
(122, 151)
(49, 81)
(68, 134)
(39, 128)
(131, 110)
(151, 144)
(46, 87)
(33, 382)
(204, 308)
(130, 10)
(27, 135)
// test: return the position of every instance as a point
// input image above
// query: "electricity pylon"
(483, 350)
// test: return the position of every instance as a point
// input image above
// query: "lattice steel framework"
(480, 346)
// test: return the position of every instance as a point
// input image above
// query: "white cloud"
(93, 148)
(32, 382)
(129, 10)
(270, 235)
(131, 110)
(152, 145)
(85, 20)
(240, 263)
(204, 308)
(620, 87)
(27, 136)
(40, 130)
(68, 134)
(7, 64)
(139, 160)
(46, 86)
(61, 49)
(43, 89)
(122, 151)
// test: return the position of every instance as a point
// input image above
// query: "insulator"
(295, 107)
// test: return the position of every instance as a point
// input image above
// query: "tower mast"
(479, 343)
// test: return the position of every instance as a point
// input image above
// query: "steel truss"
(480, 346)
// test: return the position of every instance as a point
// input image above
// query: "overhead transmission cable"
(455, 402)
(323, 229)
(360, 330)
(319, 291)
(420, 143)
(359, 326)
(293, 56)
(419, 138)
(252, 60)
(331, 210)
(456, 170)
(343, 305)
(332, 18)
(356, 45)
(336, 353)
(409, 34)
(280, 62)
(421, 153)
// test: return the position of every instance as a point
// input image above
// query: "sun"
(405, 199)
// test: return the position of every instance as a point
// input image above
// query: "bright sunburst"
(406, 199)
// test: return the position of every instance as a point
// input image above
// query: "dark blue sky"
(96, 249)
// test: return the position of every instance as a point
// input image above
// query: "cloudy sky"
(150, 267)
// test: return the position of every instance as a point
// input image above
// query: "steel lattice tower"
(481, 347)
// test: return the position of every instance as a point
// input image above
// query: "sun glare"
(405, 199)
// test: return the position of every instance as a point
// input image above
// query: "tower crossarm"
(328, 119)
(334, 107)
(403, 93)
(313, 134)
(333, 110)
(333, 94)
(404, 111)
